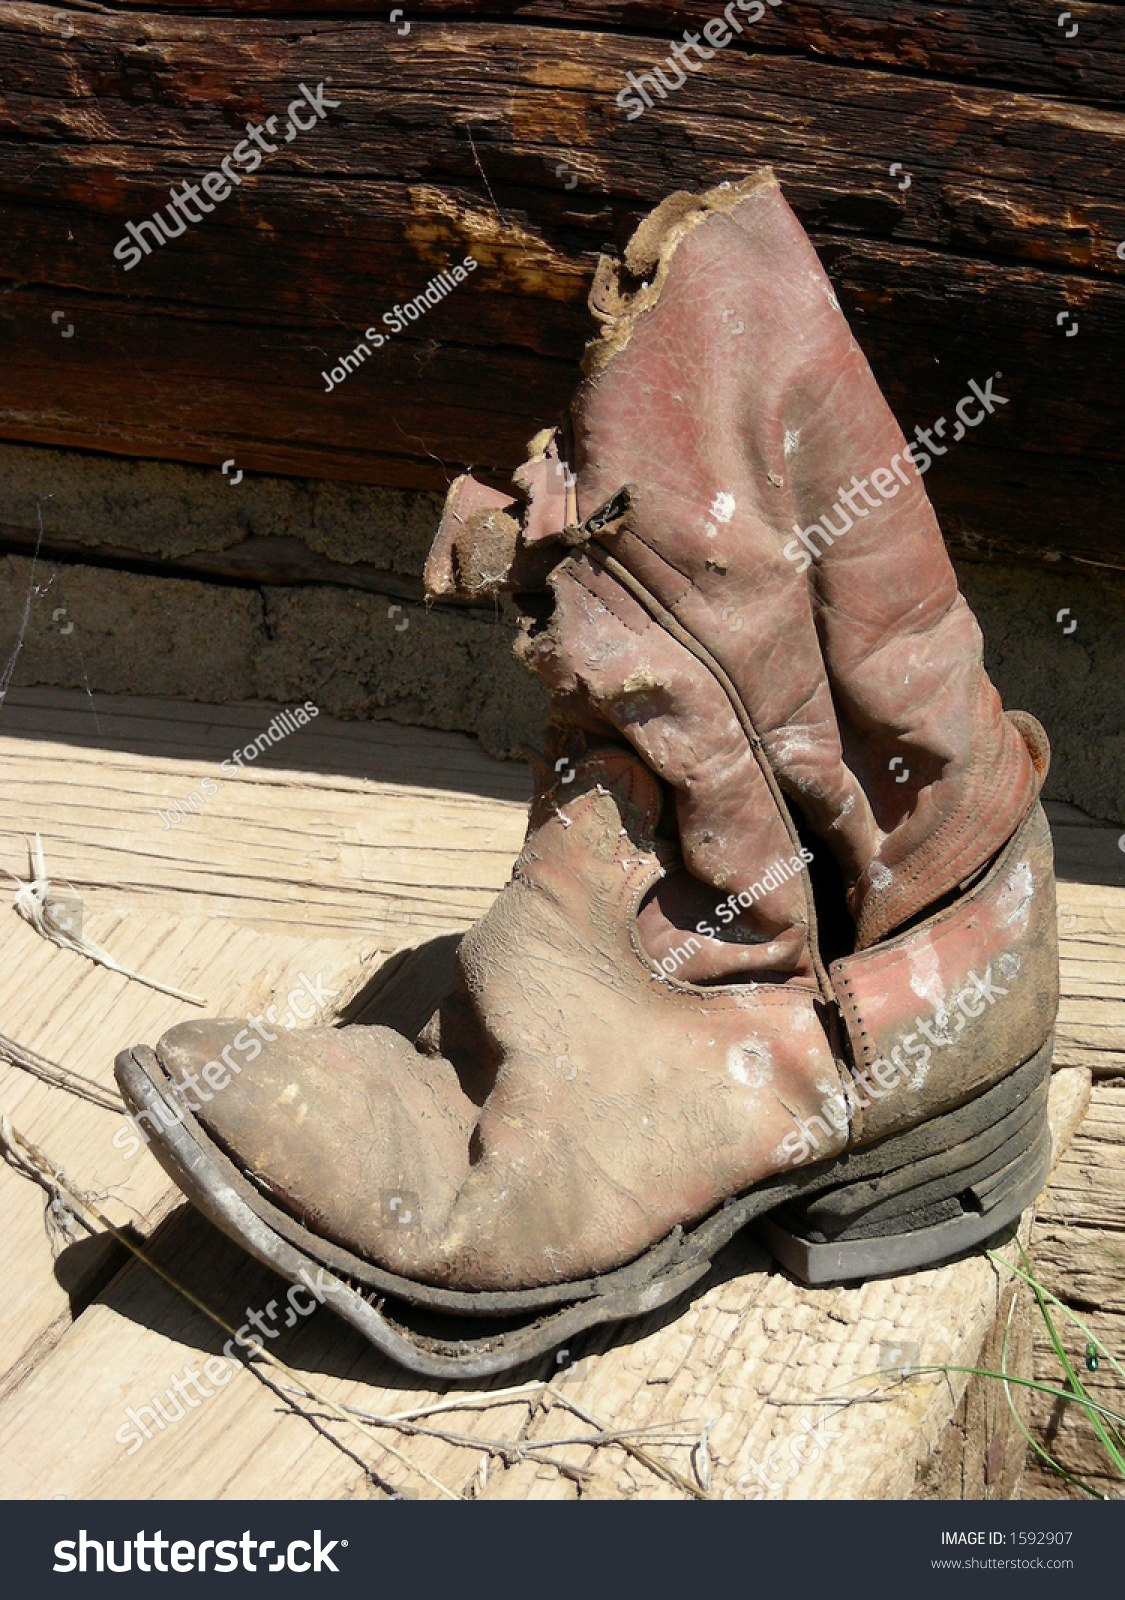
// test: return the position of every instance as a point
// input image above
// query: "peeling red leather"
(870, 654)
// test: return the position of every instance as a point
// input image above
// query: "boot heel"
(921, 1198)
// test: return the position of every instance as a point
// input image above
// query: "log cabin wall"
(995, 245)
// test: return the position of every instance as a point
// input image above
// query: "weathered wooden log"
(504, 139)
(1016, 43)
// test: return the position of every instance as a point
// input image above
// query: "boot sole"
(870, 1187)
(359, 1292)
(923, 1198)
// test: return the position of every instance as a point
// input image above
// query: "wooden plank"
(742, 1354)
(276, 844)
(1009, 219)
(1091, 917)
(760, 1355)
(763, 1360)
(380, 752)
(1084, 1258)
(241, 1444)
(1078, 1248)
(71, 1011)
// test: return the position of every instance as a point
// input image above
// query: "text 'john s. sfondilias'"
(397, 318)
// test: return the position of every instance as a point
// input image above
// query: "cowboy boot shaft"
(728, 389)
(739, 893)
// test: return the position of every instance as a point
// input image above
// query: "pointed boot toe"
(352, 1131)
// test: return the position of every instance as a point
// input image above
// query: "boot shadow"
(407, 989)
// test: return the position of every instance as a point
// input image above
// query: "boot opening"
(834, 925)
(535, 609)
(943, 902)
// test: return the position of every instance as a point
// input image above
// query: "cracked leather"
(617, 1102)
(601, 1072)
(869, 654)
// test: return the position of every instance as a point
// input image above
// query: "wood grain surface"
(497, 131)
(288, 870)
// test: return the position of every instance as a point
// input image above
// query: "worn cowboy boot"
(644, 1035)
(728, 393)
(528, 1144)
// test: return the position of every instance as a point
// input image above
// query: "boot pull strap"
(1034, 736)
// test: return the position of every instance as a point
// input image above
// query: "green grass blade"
(1090, 1408)
(1024, 1383)
(1032, 1283)
(1020, 1424)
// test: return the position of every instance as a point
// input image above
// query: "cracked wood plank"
(216, 343)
